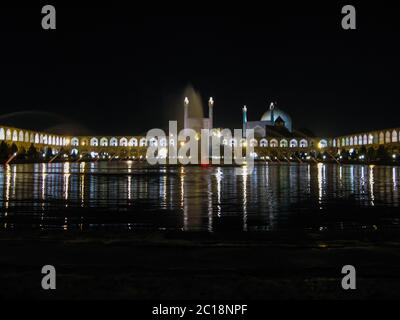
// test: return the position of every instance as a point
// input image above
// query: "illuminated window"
(26, 136)
(303, 143)
(293, 143)
(133, 142)
(123, 142)
(15, 135)
(94, 142)
(113, 142)
(75, 142)
(371, 139)
(104, 142)
(143, 142)
(387, 139)
(323, 144)
(381, 138)
(2, 134)
(273, 143)
(264, 143)
(394, 136)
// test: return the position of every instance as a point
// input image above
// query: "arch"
(94, 142)
(253, 143)
(370, 139)
(294, 143)
(27, 136)
(37, 138)
(123, 142)
(15, 135)
(347, 141)
(133, 142)
(365, 139)
(263, 143)
(303, 143)
(387, 137)
(334, 143)
(381, 138)
(44, 139)
(75, 142)
(360, 140)
(104, 142)
(64, 141)
(21, 136)
(353, 141)
(50, 140)
(163, 142)
(343, 142)
(153, 142)
(113, 142)
(143, 142)
(394, 136)
(273, 143)
(284, 143)
(57, 141)
(8, 134)
(2, 134)
(323, 144)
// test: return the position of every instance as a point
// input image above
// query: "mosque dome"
(278, 113)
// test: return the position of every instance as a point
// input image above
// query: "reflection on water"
(127, 195)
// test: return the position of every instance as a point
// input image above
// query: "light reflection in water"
(188, 198)
(371, 185)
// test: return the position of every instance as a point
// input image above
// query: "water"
(132, 196)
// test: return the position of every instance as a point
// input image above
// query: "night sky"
(117, 71)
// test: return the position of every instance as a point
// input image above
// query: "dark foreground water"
(131, 196)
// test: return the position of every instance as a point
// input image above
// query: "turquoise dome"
(278, 113)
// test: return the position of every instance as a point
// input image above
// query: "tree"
(382, 154)
(14, 148)
(4, 151)
(344, 154)
(32, 153)
(371, 154)
(49, 153)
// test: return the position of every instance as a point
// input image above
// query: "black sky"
(117, 70)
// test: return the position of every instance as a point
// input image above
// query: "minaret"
(186, 114)
(211, 112)
(244, 121)
(272, 108)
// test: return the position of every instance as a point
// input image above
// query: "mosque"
(274, 133)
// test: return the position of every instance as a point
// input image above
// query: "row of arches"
(31, 137)
(368, 139)
(144, 142)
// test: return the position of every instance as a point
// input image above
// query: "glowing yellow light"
(182, 144)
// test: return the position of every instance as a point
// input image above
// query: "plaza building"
(274, 134)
